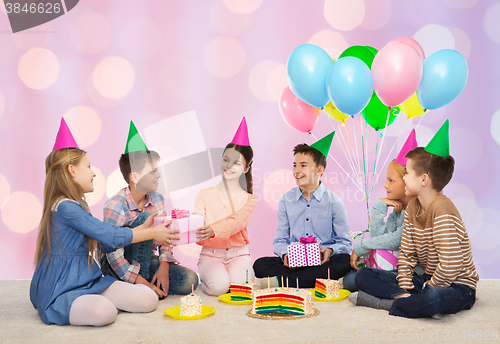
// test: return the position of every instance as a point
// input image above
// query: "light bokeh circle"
(38, 68)
(258, 79)
(462, 41)
(114, 77)
(276, 82)
(491, 23)
(21, 212)
(85, 125)
(377, 14)
(331, 41)
(434, 37)
(115, 183)
(242, 6)
(344, 15)
(224, 57)
(495, 126)
(275, 185)
(469, 154)
(4, 189)
(99, 188)
(90, 32)
(227, 22)
(37, 37)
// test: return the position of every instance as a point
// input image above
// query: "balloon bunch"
(379, 85)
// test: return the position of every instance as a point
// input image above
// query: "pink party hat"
(241, 136)
(410, 144)
(64, 137)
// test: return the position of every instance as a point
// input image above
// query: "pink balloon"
(397, 71)
(411, 42)
(297, 114)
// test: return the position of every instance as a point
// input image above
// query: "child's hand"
(285, 260)
(325, 254)
(354, 260)
(204, 233)
(397, 204)
(149, 221)
(166, 235)
(161, 277)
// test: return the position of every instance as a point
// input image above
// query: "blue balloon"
(444, 78)
(349, 85)
(306, 70)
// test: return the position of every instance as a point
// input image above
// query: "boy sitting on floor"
(433, 235)
(310, 209)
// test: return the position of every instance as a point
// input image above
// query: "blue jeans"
(422, 303)
(349, 283)
(180, 278)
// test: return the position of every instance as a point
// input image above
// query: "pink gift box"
(186, 226)
(303, 254)
(382, 259)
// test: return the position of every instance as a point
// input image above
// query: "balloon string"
(383, 139)
(364, 139)
(390, 152)
(356, 144)
(421, 117)
(344, 150)
(331, 156)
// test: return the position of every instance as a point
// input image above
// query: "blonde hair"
(400, 168)
(59, 185)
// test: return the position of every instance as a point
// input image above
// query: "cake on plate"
(326, 288)
(190, 305)
(282, 300)
(241, 291)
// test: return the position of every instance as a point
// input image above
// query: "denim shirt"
(323, 216)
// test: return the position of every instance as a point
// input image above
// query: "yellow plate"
(174, 312)
(343, 294)
(227, 299)
(279, 316)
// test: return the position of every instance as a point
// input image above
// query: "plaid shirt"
(121, 211)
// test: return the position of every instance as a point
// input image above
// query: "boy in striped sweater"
(433, 235)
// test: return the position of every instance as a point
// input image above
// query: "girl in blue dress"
(67, 286)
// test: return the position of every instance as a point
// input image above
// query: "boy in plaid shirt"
(131, 206)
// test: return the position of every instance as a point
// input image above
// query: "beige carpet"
(337, 321)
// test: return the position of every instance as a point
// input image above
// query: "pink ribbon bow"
(180, 214)
(308, 240)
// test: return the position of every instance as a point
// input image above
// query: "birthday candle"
(282, 285)
(268, 285)
(297, 284)
(287, 281)
(276, 283)
(192, 288)
(328, 273)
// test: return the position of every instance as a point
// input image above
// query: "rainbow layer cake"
(190, 305)
(241, 291)
(282, 300)
(326, 288)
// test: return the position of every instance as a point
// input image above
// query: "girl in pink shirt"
(227, 208)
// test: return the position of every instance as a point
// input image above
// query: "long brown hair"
(58, 185)
(247, 153)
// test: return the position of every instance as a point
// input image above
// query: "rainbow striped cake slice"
(326, 288)
(241, 291)
(282, 300)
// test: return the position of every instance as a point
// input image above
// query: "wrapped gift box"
(382, 259)
(187, 226)
(304, 253)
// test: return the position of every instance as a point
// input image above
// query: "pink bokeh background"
(107, 62)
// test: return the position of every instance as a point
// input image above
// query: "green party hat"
(134, 141)
(323, 145)
(440, 143)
